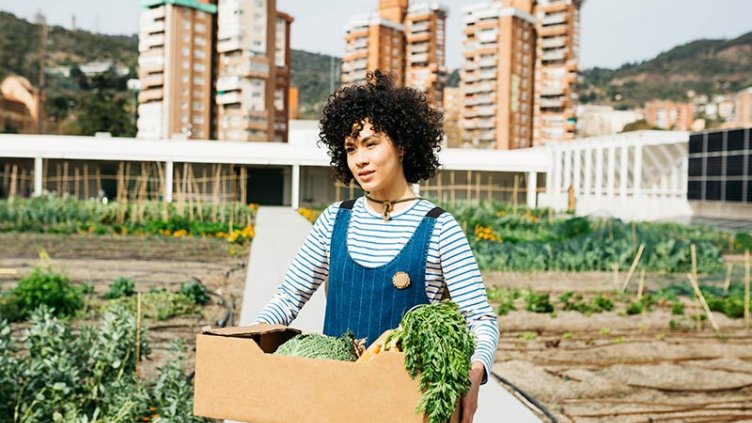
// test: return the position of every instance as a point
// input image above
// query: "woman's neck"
(395, 193)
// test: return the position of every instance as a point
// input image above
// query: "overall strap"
(348, 204)
(435, 212)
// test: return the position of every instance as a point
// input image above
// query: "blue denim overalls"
(364, 300)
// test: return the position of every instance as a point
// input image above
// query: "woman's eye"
(349, 150)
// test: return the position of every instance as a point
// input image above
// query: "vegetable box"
(238, 378)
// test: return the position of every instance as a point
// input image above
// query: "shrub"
(122, 287)
(45, 287)
(538, 303)
(195, 290)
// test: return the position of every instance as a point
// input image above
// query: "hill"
(19, 47)
(316, 76)
(704, 66)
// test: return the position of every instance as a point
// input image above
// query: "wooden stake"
(13, 181)
(452, 191)
(633, 267)
(641, 286)
(746, 290)
(468, 185)
(138, 330)
(489, 193)
(615, 268)
(515, 191)
(693, 252)
(76, 182)
(86, 182)
(65, 177)
(99, 181)
(698, 293)
(727, 281)
(477, 188)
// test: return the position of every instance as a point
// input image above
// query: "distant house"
(18, 105)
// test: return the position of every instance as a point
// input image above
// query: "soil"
(612, 367)
(152, 262)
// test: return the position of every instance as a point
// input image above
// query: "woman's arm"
(306, 273)
(465, 285)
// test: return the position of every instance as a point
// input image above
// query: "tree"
(104, 111)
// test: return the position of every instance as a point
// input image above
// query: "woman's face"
(374, 160)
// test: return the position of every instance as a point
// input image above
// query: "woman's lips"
(365, 175)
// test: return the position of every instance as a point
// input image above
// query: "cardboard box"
(238, 378)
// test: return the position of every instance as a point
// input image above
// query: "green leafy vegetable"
(438, 345)
(313, 345)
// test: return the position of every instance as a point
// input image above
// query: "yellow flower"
(180, 233)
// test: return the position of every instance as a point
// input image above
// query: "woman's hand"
(470, 400)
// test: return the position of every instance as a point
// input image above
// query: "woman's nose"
(361, 157)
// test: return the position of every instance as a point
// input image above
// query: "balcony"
(149, 81)
(228, 98)
(150, 95)
(554, 19)
(552, 102)
(151, 62)
(485, 111)
(553, 42)
(419, 27)
(488, 36)
(224, 46)
(554, 55)
(228, 83)
(419, 58)
(146, 43)
(487, 74)
(479, 88)
(552, 90)
(553, 31)
(486, 63)
(418, 48)
(485, 123)
(153, 27)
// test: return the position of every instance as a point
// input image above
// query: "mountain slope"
(703, 66)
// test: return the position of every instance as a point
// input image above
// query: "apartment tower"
(406, 41)
(497, 77)
(253, 75)
(556, 69)
(425, 40)
(175, 69)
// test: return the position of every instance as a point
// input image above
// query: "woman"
(389, 250)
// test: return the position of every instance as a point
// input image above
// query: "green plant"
(195, 290)
(159, 304)
(635, 308)
(538, 302)
(677, 308)
(506, 298)
(438, 346)
(121, 287)
(86, 375)
(313, 345)
(46, 287)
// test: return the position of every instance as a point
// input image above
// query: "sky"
(613, 32)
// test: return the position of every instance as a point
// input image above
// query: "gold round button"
(401, 280)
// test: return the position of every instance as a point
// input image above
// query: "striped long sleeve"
(373, 242)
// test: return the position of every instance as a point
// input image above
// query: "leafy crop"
(233, 222)
(438, 345)
(42, 286)
(87, 375)
(538, 302)
(195, 290)
(313, 345)
(122, 287)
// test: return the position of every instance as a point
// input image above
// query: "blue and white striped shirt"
(373, 242)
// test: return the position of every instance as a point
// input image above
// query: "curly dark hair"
(401, 113)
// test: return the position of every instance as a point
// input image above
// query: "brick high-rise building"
(497, 76)
(253, 76)
(175, 69)
(425, 36)
(405, 41)
(373, 42)
(556, 68)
